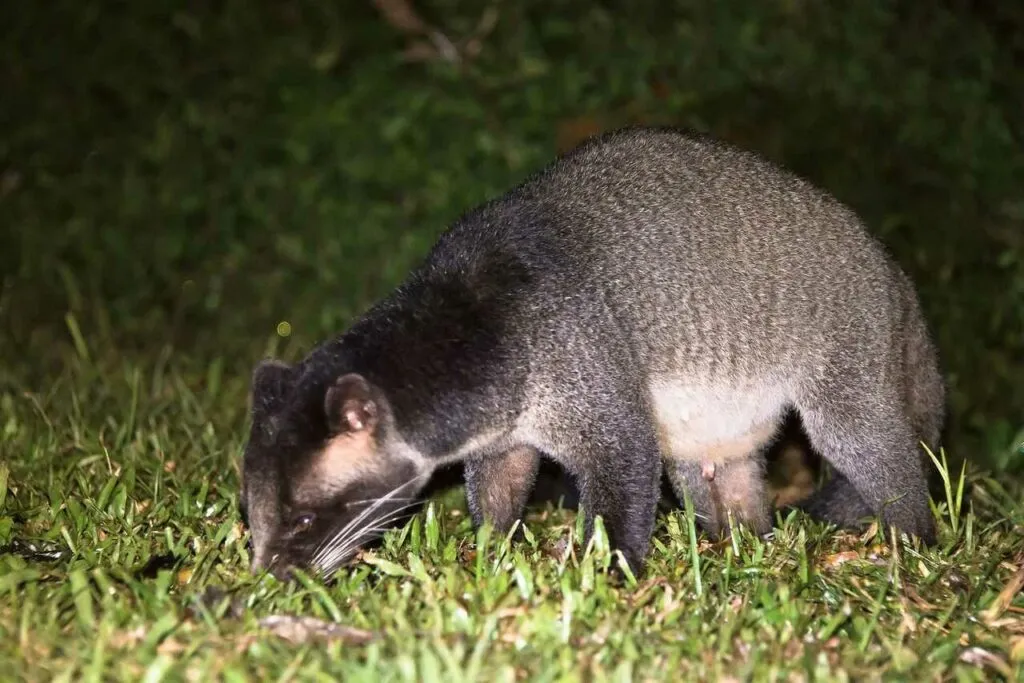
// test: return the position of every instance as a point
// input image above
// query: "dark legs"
(879, 468)
(618, 467)
(622, 487)
(498, 487)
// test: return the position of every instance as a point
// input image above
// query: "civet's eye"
(303, 523)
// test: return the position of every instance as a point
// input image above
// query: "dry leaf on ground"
(304, 629)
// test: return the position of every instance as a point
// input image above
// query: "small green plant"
(954, 496)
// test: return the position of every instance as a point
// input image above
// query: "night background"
(186, 188)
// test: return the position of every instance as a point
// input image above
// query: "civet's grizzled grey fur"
(653, 301)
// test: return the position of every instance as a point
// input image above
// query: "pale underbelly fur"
(715, 421)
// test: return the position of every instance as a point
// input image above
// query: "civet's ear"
(350, 406)
(270, 383)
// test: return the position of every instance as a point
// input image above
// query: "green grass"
(185, 190)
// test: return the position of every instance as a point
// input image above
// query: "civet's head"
(324, 470)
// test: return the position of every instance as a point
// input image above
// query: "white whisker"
(365, 513)
(337, 537)
(343, 553)
(342, 541)
(358, 518)
(333, 550)
(373, 500)
(353, 528)
(328, 548)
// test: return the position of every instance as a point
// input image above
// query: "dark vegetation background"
(186, 187)
(196, 184)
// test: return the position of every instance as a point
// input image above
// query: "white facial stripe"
(344, 460)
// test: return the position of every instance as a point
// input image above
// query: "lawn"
(187, 188)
